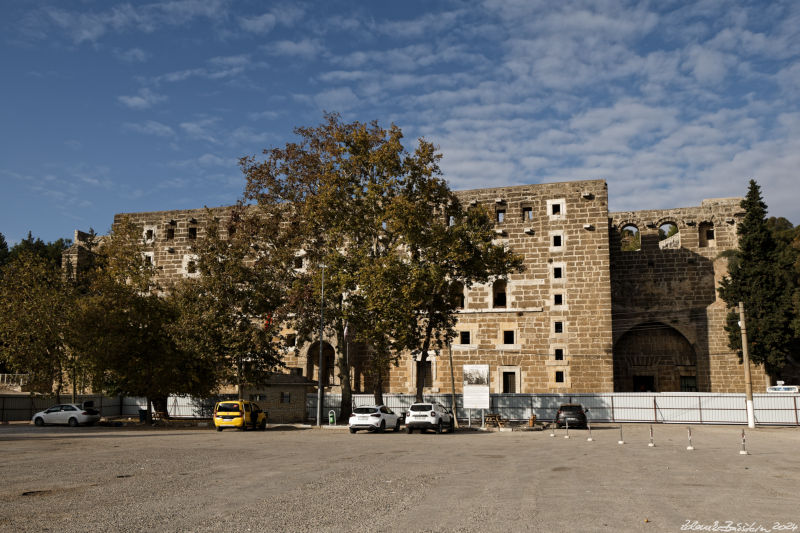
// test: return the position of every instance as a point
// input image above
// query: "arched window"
(499, 293)
(669, 238)
(630, 239)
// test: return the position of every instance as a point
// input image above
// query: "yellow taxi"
(239, 414)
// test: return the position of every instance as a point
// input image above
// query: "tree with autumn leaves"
(396, 243)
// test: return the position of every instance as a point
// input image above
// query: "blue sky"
(112, 107)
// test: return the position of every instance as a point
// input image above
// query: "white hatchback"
(374, 418)
(429, 415)
(68, 413)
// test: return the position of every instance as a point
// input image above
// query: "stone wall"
(584, 316)
(667, 290)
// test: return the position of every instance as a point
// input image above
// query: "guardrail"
(668, 407)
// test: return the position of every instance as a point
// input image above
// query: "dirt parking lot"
(128, 479)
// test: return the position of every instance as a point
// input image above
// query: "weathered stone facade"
(584, 316)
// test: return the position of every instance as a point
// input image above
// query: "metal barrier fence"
(13, 380)
(671, 407)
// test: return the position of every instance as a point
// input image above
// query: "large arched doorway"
(654, 357)
(329, 375)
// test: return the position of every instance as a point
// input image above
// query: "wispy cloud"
(150, 127)
(132, 55)
(201, 130)
(144, 99)
(305, 48)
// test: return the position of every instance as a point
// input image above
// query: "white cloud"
(133, 55)
(305, 48)
(201, 129)
(143, 100)
(259, 24)
(150, 127)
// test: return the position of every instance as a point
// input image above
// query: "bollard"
(589, 427)
(566, 424)
(331, 417)
(553, 427)
(743, 451)
(651, 444)
(689, 431)
(621, 440)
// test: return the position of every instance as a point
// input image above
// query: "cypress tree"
(760, 276)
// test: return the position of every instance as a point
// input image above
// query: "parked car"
(428, 415)
(572, 413)
(67, 413)
(374, 418)
(239, 414)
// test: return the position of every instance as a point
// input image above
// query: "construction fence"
(671, 407)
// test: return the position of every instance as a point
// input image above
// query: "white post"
(748, 386)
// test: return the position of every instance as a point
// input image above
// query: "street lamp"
(319, 372)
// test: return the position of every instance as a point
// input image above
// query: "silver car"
(67, 413)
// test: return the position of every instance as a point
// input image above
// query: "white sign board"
(783, 388)
(476, 386)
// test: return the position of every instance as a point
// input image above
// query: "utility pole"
(748, 386)
(452, 385)
(319, 372)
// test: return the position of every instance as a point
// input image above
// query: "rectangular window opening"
(501, 216)
(556, 240)
(558, 299)
(509, 382)
(558, 354)
(556, 209)
(464, 337)
(426, 374)
(709, 234)
(298, 262)
(508, 337)
(192, 233)
(557, 272)
(559, 327)
(559, 376)
(527, 213)
(170, 233)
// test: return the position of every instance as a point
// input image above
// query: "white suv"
(428, 415)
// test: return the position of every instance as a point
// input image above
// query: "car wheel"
(383, 426)
(73, 422)
(397, 426)
(219, 428)
(39, 421)
(439, 427)
(263, 425)
(353, 430)
(409, 430)
(244, 426)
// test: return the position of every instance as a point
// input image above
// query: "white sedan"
(68, 413)
(374, 418)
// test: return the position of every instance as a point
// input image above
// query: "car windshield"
(229, 407)
(364, 410)
(422, 407)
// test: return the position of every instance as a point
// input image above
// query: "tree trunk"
(347, 390)
(149, 416)
(377, 387)
(426, 344)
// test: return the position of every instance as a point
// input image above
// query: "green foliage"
(351, 197)
(51, 251)
(35, 312)
(631, 240)
(762, 278)
(226, 317)
(4, 254)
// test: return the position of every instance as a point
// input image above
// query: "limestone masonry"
(605, 302)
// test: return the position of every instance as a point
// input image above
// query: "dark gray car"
(572, 413)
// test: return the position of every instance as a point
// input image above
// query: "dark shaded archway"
(329, 375)
(654, 357)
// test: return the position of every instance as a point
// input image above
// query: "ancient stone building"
(607, 302)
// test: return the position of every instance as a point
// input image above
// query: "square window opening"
(527, 213)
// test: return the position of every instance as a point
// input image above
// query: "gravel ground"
(133, 479)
